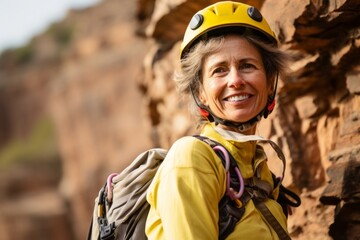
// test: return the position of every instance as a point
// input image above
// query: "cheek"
(264, 85)
(215, 89)
(208, 92)
(263, 89)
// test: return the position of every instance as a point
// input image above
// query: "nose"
(235, 79)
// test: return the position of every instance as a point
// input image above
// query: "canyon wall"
(96, 89)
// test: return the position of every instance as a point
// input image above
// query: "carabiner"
(229, 190)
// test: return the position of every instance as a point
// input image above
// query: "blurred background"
(89, 87)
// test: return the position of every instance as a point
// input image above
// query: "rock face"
(104, 74)
(316, 120)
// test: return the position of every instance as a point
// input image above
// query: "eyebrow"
(241, 60)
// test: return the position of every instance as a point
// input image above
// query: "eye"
(247, 66)
(219, 70)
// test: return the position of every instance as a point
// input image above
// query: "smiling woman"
(264, 57)
(20, 23)
(234, 81)
(229, 67)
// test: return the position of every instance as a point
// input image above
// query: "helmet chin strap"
(240, 126)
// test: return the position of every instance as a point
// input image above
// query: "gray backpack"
(121, 208)
(124, 212)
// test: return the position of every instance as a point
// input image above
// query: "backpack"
(121, 208)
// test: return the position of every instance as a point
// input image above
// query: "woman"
(229, 66)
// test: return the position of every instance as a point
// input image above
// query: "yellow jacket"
(186, 190)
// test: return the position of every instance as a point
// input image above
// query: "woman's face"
(234, 81)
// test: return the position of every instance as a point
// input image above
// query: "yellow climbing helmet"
(222, 15)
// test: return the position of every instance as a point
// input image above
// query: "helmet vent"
(213, 10)
(254, 14)
(234, 8)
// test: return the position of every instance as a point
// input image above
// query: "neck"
(249, 131)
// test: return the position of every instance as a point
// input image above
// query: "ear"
(202, 96)
(271, 86)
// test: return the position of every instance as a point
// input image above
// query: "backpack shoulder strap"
(229, 211)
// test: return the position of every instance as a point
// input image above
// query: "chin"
(243, 117)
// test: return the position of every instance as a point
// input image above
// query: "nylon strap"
(282, 234)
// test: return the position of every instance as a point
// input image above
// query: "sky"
(20, 20)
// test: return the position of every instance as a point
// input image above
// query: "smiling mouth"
(238, 98)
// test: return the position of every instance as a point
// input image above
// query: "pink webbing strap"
(109, 187)
(229, 190)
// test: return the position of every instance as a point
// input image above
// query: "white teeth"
(237, 98)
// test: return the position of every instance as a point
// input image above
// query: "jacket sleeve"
(187, 191)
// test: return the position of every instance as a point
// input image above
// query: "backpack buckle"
(106, 230)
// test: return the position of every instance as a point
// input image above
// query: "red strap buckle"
(271, 106)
